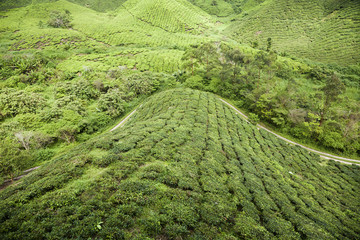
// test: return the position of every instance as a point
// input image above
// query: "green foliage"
(300, 28)
(112, 102)
(12, 159)
(81, 89)
(278, 91)
(24, 65)
(142, 84)
(195, 82)
(185, 165)
(254, 118)
(14, 102)
(60, 19)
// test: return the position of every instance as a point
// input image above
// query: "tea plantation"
(184, 166)
(324, 30)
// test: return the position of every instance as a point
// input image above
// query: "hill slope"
(97, 5)
(27, 27)
(170, 15)
(185, 165)
(326, 30)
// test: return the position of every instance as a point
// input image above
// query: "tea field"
(326, 31)
(185, 165)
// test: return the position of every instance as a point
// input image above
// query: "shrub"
(194, 82)
(60, 19)
(254, 118)
(43, 155)
(13, 102)
(82, 89)
(142, 83)
(12, 159)
(112, 102)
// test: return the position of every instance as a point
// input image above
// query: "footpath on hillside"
(322, 154)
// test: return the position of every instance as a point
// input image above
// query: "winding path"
(26, 172)
(322, 154)
(125, 119)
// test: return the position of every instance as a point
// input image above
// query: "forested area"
(312, 102)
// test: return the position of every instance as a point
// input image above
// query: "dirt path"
(9, 182)
(322, 154)
(124, 120)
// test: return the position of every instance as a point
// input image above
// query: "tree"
(268, 47)
(24, 138)
(12, 158)
(236, 58)
(260, 62)
(194, 82)
(67, 127)
(264, 60)
(112, 102)
(60, 19)
(190, 59)
(142, 83)
(206, 53)
(333, 88)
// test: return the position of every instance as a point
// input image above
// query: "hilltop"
(185, 165)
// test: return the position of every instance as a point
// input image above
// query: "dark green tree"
(236, 59)
(12, 159)
(190, 59)
(268, 47)
(333, 88)
(206, 54)
(60, 19)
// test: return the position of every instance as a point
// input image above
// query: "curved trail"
(322, 154)
(125, 119)
(26, 172)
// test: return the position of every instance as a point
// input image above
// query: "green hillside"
(98, 5)
(170, 15)
(184, 166)
(326, 30)
(28, 27)
(219, 8)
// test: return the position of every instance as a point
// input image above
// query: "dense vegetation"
(188, 166)
(311, 102)
(185, 166)
(42, 107)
